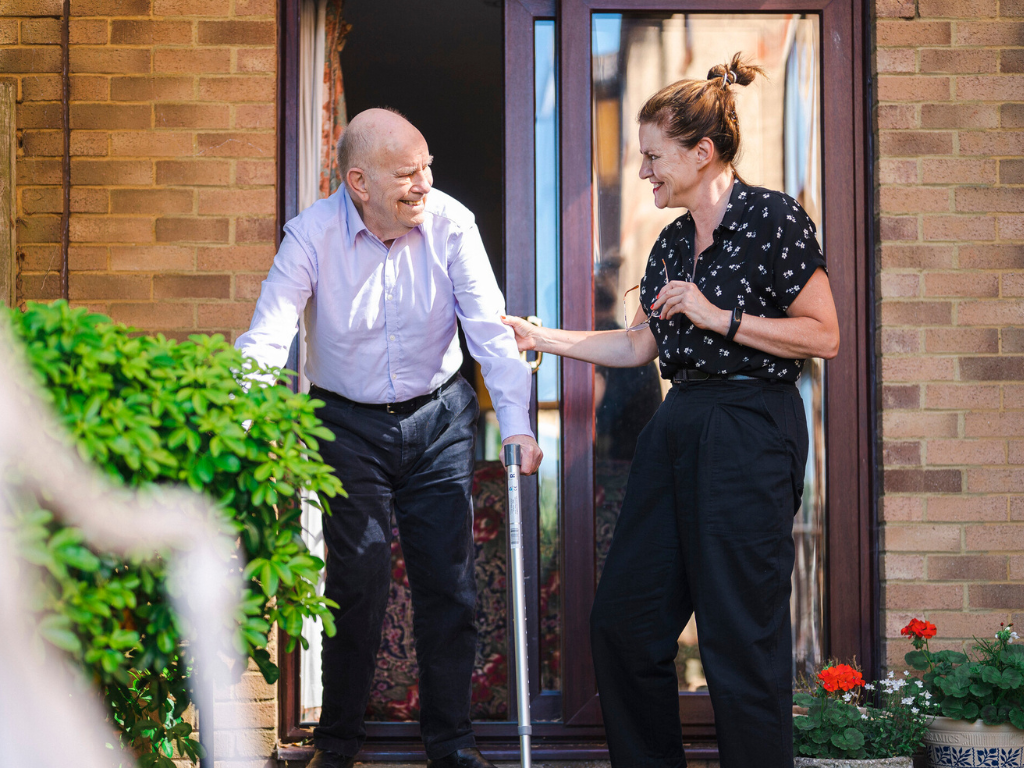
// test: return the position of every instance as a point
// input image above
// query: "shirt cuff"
(514, 421)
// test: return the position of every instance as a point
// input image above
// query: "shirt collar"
(736, 206)
(353, 221)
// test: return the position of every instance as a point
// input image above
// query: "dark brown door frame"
(852, 583)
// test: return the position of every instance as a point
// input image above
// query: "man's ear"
(356, 178)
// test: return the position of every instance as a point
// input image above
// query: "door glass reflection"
(634, 56)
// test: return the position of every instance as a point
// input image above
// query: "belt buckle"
(391, 408)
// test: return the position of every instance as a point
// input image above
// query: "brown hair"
(690, 110)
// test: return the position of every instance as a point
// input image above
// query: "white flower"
(927, 696)
(848, 696)
(906, 673)
(918, 683)
(915, 710)
(863, 715)
(1013, 636)
(908, 700)
(891, 674)
(869, 686)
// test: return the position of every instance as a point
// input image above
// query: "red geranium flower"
(840, 677)
(920, 629)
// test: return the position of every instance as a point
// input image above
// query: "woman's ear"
(706, 152)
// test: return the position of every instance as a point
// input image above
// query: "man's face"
(399, 185)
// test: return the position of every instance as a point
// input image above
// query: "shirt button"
(392, 337)
(389, 297)
(394, 375)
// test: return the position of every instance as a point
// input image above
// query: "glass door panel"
(633, 56)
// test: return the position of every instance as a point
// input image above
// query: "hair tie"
(728, 78)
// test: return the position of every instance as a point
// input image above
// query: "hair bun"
(736, 72)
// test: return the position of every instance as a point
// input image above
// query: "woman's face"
(672, 169)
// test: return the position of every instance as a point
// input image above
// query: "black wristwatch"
(734, 324)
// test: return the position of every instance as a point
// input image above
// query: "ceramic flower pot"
(841, 762)
(973, 745)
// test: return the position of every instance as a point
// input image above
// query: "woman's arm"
(615, 349)
(811, 328)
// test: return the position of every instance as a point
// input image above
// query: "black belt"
(694, 374)
(406, 406)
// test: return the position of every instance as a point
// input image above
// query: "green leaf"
(56, 630)
(1017, 717)
(917, 660)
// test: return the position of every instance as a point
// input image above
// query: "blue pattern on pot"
(975, 757)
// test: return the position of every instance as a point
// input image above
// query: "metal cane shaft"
(513, 461)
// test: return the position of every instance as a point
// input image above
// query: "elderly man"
(383, 268)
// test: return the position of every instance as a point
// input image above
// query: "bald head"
(372, 137)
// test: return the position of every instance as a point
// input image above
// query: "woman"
(706, 521)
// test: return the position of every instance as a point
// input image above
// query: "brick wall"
(173, 135)
(951, 286)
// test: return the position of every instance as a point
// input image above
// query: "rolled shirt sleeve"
(479, 306)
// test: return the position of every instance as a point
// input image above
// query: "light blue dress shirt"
(381, 323)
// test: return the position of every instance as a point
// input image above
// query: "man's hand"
(532, 453)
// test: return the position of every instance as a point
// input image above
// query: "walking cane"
(513, 460)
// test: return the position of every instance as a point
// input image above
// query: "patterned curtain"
(335, 117)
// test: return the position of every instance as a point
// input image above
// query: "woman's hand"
(684, 298)
(526, 333)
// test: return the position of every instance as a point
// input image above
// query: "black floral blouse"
(762, 255)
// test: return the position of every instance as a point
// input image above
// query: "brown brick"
(962, 396)
(89, 200)
(957, 171)
(150, 144)
(966, 568)
(110, 229)
(192, 286)
(1011, 60)
(39, 258)
(237, 201)
(901, 396)
(993, 88)
(135, 32)
(1015, 454)
(919, 424)
(160, 201)
(41, 88)
(155, 316)
(248, 286)
(912, 33)
(957, 9)
(87, 257)
(110, 60)
(958, 452)
(111, 172)
(255, 7)
(256, 60)
(961, 284)
(254, 230)
(1011, 171)
(1005, 596)
(900, 341)
(1012, 284)
(908, 567)
(989, 33)
(237, 88)
(238, 258)
(895, 59)
(899, 285)
(191, 7)
(31, 8)
(894, 116)
(902, 508)
(37, 171)
(923, 597)
(908, 88)
(88, 32)
(236, 145)
(255, 173)
(991, 257)
(42, 143)
(110, 116)
(897, 228)
(923, 481)
(42, 200)
(206, 60)
(1012, 340)
(8, 31)
(1013, 399)
(914, 143)
(148, 88)
(45, 287)
(916, 256)
(962, 116)
(966, 508)
(1005, 312)
(237, 33)
(191, 116)
(959, 228)
(193, 172)
(151, 258)
(89, 143)
(917, 313)
(989, 424)
(39, 116)
(914, 199)
(109, 286)
(194, 229)
(44, 58)
(999, 143)
(255, 116)
(90, 88)
(225, 315)
(1011, 227)
(1012, 8)
(112, 7)
(992, 368)
(917, 368)
(897, 171)
(40, 32)
(897, 453)
(961, 340)
(973, 60)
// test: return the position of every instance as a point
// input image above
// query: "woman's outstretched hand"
(526, 333)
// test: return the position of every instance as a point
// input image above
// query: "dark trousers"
(420, 465)
(705, 529)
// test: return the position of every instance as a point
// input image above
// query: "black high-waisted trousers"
(706, 529)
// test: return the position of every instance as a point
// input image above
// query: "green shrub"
(149, 411)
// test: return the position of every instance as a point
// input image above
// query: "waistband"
(685, 375)
(400, 408)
